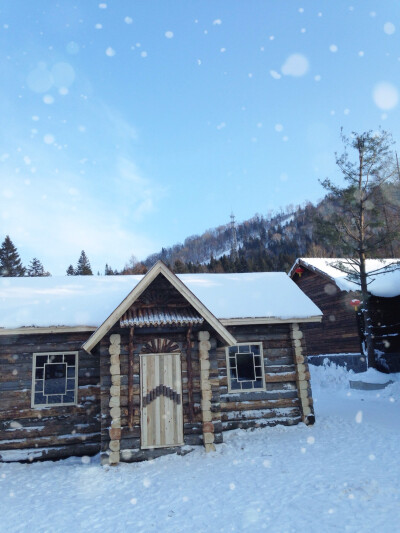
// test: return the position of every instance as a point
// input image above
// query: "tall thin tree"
(356, 221)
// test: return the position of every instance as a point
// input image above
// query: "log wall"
(28, 433)
(280, 403)
(338, 331)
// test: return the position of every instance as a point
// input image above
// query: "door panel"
(161, 400)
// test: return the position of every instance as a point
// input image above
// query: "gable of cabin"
(338, 332)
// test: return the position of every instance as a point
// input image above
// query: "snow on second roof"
(385, 284)
(89, 300)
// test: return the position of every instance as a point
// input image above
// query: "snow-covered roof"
(73, 301)
(383, 281)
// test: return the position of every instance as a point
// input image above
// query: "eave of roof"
(267, 320)
(33, 330)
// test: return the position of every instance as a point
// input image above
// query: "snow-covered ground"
(340, 475)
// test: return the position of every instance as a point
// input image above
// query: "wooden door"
(161, 400)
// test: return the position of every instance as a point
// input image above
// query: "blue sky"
(130, 125)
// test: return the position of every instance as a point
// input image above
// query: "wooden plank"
(158, 439)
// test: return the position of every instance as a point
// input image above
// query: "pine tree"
(358, 221)
(10, 262)
(70, 271)
(36, 269)
(108, 271)
(83, 267)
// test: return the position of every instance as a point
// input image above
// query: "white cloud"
(110, 52)
(295, 65)
(169, 34)
(385, 95)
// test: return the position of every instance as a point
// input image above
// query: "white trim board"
(267, 320)
(50, 329)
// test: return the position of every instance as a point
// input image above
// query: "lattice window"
(245, 367)
(54, 379)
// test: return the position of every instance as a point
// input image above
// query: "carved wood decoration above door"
(160, 345)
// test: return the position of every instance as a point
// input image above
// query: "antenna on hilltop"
(234, 244)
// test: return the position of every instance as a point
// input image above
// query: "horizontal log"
(50, 429)
(135, 455)
(14, 413)
(281, 369)
(285, 412)
(258, 396)
(271, 404)
(44, 442)
(283, 377)
(248, 424)
(51, 453)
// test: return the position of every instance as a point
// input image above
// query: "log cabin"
(341, 329)
(135, 367)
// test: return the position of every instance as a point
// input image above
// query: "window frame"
(75, 377)
(228, 368)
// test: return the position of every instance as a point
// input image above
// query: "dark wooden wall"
(338, 331)
(46, 432)
(385, 314)
(279, 403)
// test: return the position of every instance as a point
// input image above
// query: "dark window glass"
(70, 384)
(71, 372)
(257, 360)
(55, 358)
(257, 384)
(245, 367)
(55, 378)
(69, 397)
(39, 398)
(39, 373)
(39, 385)
(235, 385)
(56, 398)
(69, 359)
(247, 385)
(255, 348)
(41, 360)
(242, 349)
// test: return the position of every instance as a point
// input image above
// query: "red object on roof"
(355, 303)
(299, 271)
